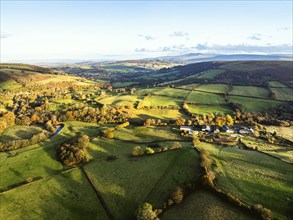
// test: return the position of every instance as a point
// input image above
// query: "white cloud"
(255, 37)
(4, 35)
(147, 37)
(179, 34)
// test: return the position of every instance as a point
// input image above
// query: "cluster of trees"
(138, 151)
(16, 144)
(145, 212)
(206, 162)
(74, 152)
(7, 119)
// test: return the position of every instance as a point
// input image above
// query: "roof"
(186, 127)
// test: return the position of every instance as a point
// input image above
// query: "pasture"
(285, 132)
(252, 91)
(189, 86)
(179, 93)
(204, 205)
(164, 114)
(253, 177)
(206, 109)
(213, 88)
(119, 100)
(124, 183)
(18, 132)
(277, 84)
(203, 98)
(284, 94)
(210, 74)
(254, 104)
(155, 100)
(52, 198)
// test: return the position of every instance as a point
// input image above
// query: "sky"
(93, 30)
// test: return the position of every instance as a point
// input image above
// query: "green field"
(254, 104)
(214, 88)
(172, 92)
(157, 113)
(285, 94)
(125, 183)
(9, 84)
(189, 87)
(39, 160)
(253, 91)
(119, 100)
(253, 177)
(147, 134)
(64, 196)
(206, 109)
(285, 132)
(205, 98)
(155, 100)
(210, 74)
(277, 84)
(203, 205)
(18, 132)
(142, 92)
(123, 84)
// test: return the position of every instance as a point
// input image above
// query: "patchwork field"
(206, 109)
(204, 205)
(214, 88)
(158, 114)
(51, 198)
(172, 92)
(210, 74)
(285, 94)
(254, 104)
(253, 177)
(285, 132)
(18, 132)
(119, 100)
(125, 183)
(277, 84)
(189, 87)
(155, 100)
(205, 98)
(253, 91)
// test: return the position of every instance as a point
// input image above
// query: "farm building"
(225, 128)
(188, 129)
(206, 128)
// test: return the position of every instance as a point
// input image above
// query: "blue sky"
(50, 30)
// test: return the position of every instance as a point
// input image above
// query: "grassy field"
(250, 91)
(147, 134)
(253, 177)
(143, 92)
(125, 183)
(164, 114)
(19, 132)
(9, 84)
(215, 88)
(254, 104)
(203, 205)
(285, 94)
(189, 86)
(39, 160)
(206, 109)
(281, 152)
(52, 198)
(205, 98)
(123, 84)
(277, 84)
(285, 132)
(155, 100)
(172, 92)
(119, 100)
(210, 74)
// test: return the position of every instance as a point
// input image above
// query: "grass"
(125, 183)
(277, 84)
(18, 132)
(214, 88)
(206, 109)
(39, 160)
(203, 205)
(123, 84)
(142, 92)
(254, 104)
(172, 92)
(155, 100)
(146, 134)
(285, 132)
(64, 196)
(210, 74)
(253, 91)
(205, 98)
(119, 100)
(189, 87)
(9, 84)
(253, 177)
(285, 94)
(164, 114)
(281, 152)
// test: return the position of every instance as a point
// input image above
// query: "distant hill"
(199, 57)
(13, 76)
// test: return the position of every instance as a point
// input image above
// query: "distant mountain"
(199, 57)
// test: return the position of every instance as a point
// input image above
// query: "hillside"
(13, 76)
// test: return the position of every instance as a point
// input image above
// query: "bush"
(178, 195)
(175, 145)
(137, 151)
(265, 213)
(145, 212)
(149, 151)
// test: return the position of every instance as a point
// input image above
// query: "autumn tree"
(145, 212)
(177, 195)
